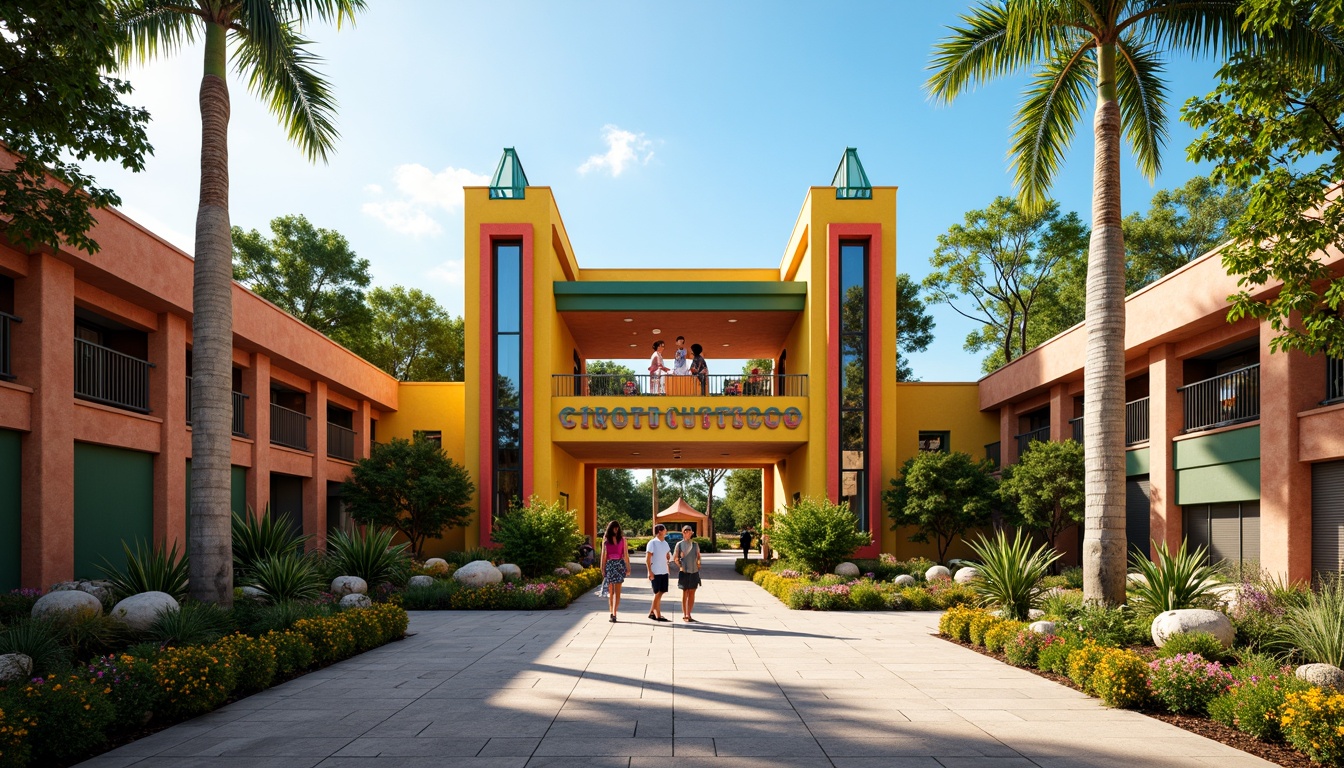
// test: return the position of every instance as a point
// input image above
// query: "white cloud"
(623, 149)
(421, 192)
(452, 272)
(149, 221)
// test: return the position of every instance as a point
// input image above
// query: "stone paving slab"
(753, 685)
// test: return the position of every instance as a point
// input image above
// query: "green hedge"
(836, 593)
(546, 593)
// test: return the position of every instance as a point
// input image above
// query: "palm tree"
(271, 53)
(1118, 48)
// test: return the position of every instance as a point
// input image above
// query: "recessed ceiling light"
(634, 345)
(634, 453)
(723, 454)
(629, 319)
(732, 319)
(657, 331)
(725, 345)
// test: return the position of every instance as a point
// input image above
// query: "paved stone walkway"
(753, 685)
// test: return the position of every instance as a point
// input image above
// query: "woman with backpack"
(686, 555)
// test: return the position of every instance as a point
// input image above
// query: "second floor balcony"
(104, 375)
(1224, 400)
(239, 411)
(1025, 439)
(340, 442)
(713, 385)
(289, 428)
(1136, 423)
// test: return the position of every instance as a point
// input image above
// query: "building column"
(767, 503)
(168, 401)
(590, 501)
(257, 387)
(315, 487)
(363, 444)
(1061, 410)
(1165, 421)
(1290, 382)
(44, 360)
(1007, 435)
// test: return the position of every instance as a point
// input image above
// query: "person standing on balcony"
(680, 366)
(657, 369)
(699, 368)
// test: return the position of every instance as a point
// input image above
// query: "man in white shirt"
(656, 557)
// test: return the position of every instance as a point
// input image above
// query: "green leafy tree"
(269, 50)
(607, 377)
(412, 487)
(310, 273)
(816, 533)
(619, 500)
(993, 269)
(1044, 490)
(762, 365)
(1279, 129)
(1113, 54)
(914, 326)
(942, 495)
(58, 105)
(411, 336)
(537, 537)
(742, 491)
(710, 477)
(1181, 225)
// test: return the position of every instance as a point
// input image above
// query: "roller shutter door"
(1229, 531)
(1327, 516)
(1138, 494)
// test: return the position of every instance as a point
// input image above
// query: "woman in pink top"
(615, 564)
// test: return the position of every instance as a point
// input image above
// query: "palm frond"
(1143, 102)
(1201, 27)
(151, 27)
(1047, 119)
(287, 80)
(337, 11)
(980, 50)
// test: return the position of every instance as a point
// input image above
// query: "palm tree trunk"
(210, 545)
(1104, 367)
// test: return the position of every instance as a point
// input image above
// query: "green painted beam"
(1237, 481)
(1219, 448)
(1137, 462)
(709, 296)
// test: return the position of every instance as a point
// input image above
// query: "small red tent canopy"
(681, 512)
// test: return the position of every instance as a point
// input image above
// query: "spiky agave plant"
(148, 569)
(368, 554)
(257, 538)
(1011, 573)
(1173, 582)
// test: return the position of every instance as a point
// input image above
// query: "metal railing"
(1136, 423)
(1025, 439)
(6, 364)
(239, 411)
(289, 428)
(1230, 398)
(1334, 379)
(107, 376)
(1077, 425)
(993, 453)
(712, 385)
(340, 442)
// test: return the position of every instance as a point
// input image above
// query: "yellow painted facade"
(571, 423)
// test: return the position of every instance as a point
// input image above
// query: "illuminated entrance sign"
(680, 418)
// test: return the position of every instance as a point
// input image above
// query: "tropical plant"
(1183, 580)
(1011, 573)
(287, 577)
(817, 533)
(942, 495)
(192, 624)
(38, 640)
(149, 569)
(411, 486)
(269, 50)
(368, 554)
(1316, 628)
(257, 538)
(538, 537)
(1115, 53)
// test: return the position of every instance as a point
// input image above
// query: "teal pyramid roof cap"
(850, 182)
(509, 181)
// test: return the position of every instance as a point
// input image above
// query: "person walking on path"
(687, 558)
(615, 565)
(657, 555)
(657, 369)
(744, 541)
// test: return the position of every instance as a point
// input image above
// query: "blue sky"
(674, 134)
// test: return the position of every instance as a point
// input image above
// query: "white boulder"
(1042, 627)
(356, 600)
(966, 575)
(349, 585)
(1326, 676)
(847, 569)
(574, 567)
(15, 667)
(478, 573)
(511, 572)
(937, 573)
(904, 580)
(139, 612)
(436, 565)
(1229, 595)
(254, 593)
(421, 581)
(1136, 579)
(99, 588)
(1188, 620)
(66, 601)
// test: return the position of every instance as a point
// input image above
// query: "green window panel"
(1136, 462)
(1237, 481)
(682, 295)
(10, 515)
(1221, 448)
(114, 502)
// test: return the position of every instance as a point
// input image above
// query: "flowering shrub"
(67, 717)
(1188, 682)
(330, 636)
(253, 659)
(17, 604)
(1083, 663)
(133, 688)
(14, 750)
(1054, 656)
(193, 679)
(1201, 644)
(547, 592)
(866, 597)
(1254, 703)
(1025, 647)
(292, 651)
(956, 623)
(1121, 678)
(981, 623)
(920, 599)
(998, 635)
(950, 593)
(1313, 722)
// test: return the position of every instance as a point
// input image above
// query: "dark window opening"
(854, 378)
(509, 392)
(935, 442)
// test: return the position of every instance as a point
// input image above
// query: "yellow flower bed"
(1083, 664)
(1313, 721)
(1120, 678)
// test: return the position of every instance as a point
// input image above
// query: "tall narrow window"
(854, 379)
(509, 393)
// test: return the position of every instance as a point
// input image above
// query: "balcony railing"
(713, 385)
(239, 411)
(6, 364)
(1025, 439)
(993, 454)
(1231, 398)
(1136, 423)
(340, 442)
(289, 428)
(107, 376)
(1334, 379)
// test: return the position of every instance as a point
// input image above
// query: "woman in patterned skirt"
(615, 565)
